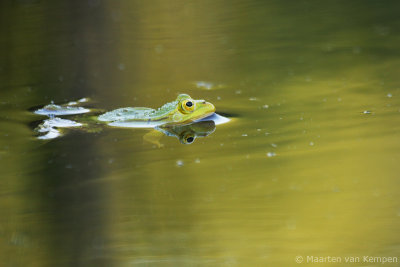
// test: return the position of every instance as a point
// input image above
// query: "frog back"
(134, 114)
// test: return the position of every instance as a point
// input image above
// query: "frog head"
(188, 109)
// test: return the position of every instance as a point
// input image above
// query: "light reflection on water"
(301, 169)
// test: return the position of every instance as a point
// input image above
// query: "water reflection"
(54, 127)
(187, 134)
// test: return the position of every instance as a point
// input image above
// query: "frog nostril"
(204, 102)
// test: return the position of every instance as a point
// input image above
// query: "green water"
(308, 165)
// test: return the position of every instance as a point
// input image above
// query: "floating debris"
(274, 145)
(50, 126)
(271, 154)
(74, 103)
(197, 160)
(244, 135)
(367, 112)
(291, 225)
(179, 163)
(238, 92)
(389, 95)
(57, 122)
(83, 100)
(56, 110)
(159, 48)
(204, 85)
(51, 134)
(208, 85)
(253, 99)
(336, 189)
(311, 143)
(265, 106)
(121, 66)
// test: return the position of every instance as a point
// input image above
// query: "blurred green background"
(309, 164)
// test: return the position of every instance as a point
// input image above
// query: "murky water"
(308, 165)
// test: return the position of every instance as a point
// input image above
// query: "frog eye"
(187, 106)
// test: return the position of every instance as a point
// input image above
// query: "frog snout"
(207, 105)
(212, 107)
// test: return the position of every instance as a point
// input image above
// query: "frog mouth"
(204, 116)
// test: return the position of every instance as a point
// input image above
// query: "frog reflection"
(186, 134)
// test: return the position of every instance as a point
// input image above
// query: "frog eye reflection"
(188, 106)
(187, 139)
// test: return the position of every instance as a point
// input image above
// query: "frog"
(171, 119)
(183, 110)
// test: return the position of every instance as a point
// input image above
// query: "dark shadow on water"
(49, 45)
(76, 203)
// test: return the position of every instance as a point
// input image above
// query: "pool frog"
(183, 110)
